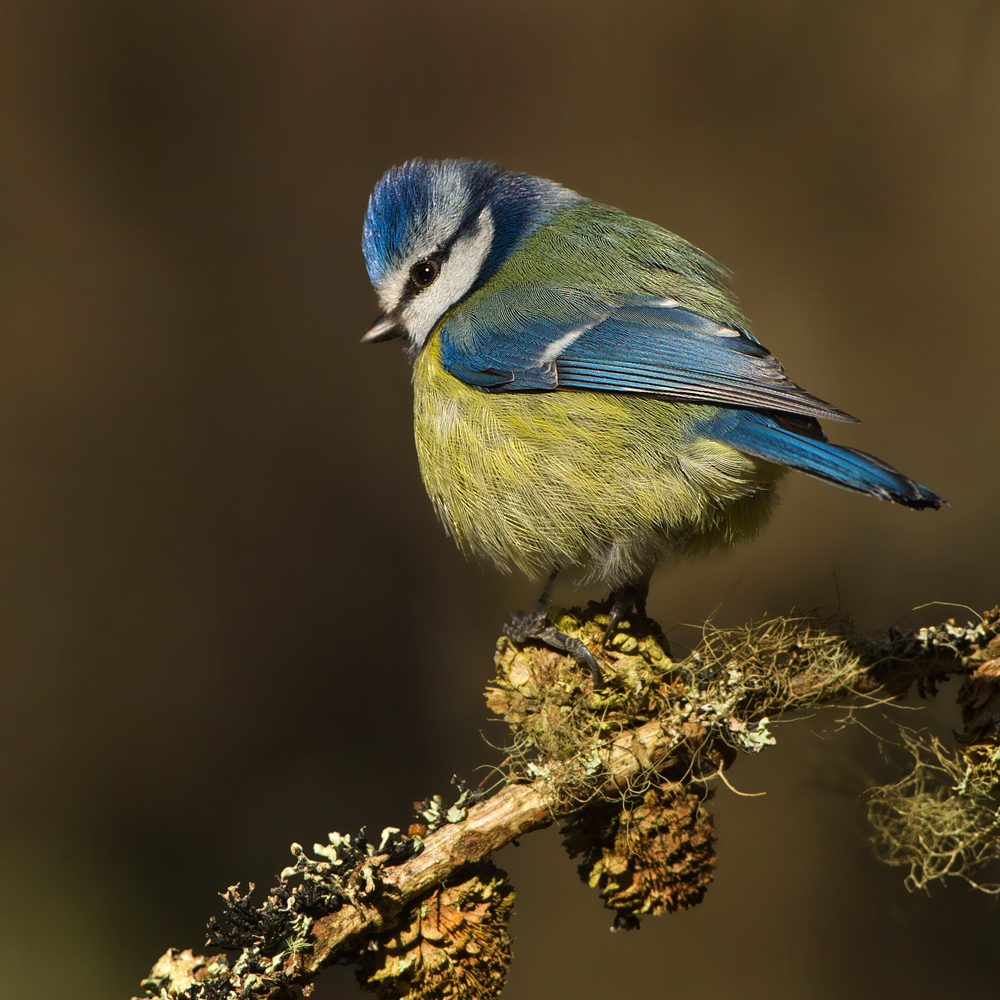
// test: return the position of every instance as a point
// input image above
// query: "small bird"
(586, 393)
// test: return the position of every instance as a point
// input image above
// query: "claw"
(623, 601)
(576, 649)
(532, 625)
(525, 625)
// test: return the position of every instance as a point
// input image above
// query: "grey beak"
(384, 328)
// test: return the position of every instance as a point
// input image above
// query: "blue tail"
(800, 444)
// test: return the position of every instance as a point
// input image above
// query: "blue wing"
(532, 338)
(763, 435)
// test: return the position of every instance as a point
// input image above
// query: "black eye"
(424, 272)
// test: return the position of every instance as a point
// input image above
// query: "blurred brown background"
(229, 619)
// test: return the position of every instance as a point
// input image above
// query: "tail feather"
(760, 435)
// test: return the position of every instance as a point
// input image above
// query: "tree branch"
(594, 756)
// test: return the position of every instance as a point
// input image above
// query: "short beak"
(384, 328)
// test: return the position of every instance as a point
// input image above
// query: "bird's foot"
(534, 625)
(625, 600)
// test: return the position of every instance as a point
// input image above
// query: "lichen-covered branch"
(424, 913)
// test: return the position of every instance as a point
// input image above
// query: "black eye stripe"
(441, 253)
(424, 272)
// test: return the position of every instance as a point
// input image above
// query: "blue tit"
(586, 393)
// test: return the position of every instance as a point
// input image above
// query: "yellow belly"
(605, 482)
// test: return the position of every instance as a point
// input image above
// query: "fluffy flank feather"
(600, 481)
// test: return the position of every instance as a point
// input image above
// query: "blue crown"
(407, 198)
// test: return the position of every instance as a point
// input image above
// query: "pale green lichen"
(646, 842)
(431, 814)
(562, 724)
(942, 819)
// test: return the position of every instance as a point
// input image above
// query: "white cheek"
(391, 291)
(457, 276)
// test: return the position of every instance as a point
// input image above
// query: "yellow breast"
(606, 482)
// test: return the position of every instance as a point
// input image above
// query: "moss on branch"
(423, 914)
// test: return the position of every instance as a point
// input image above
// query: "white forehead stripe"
(449, 199)
(449, 202)
(458, 273)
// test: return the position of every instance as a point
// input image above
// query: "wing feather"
(537, 338)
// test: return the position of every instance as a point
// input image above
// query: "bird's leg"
(532, 625)
(543, 599)
(527, 623)
(623, 600)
